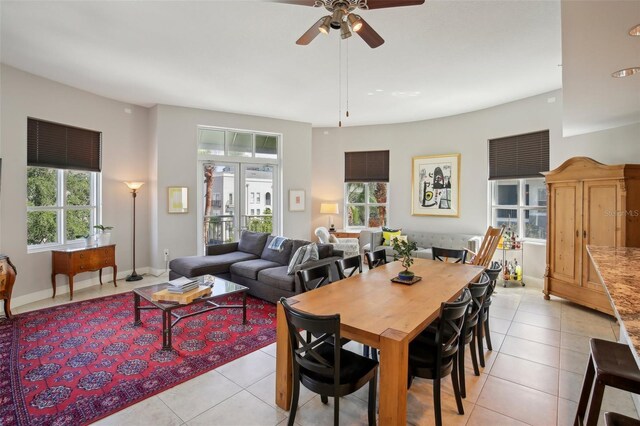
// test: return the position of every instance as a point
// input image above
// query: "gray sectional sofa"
(425, 240)
(250, 262)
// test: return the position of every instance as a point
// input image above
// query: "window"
(267, 198)
(258, 212)
(63, 183)
(253, 198)
(253, 212)
(366, 204)
(258, 198)
(518, 192)
(215, 141)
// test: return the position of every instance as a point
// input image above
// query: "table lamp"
(330, 209)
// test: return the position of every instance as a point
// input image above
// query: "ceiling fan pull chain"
(339, 83)
(347, 78)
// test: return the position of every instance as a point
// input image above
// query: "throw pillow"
(333, 239)
(311, 253)
(399, 238)
(296, 259)
(388, 235)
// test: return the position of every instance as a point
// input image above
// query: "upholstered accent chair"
(350, 246)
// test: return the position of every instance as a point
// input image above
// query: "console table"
(73, 261)
(7, 278)
(340, 233)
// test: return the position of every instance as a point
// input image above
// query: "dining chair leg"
(373, 386)
(587, 385)
(474, 356)
(456, 389)
(487, 332)
(480, 341)
(436, 401)
(374, 354)
(596, 402)
(463, 385)
(336, 410)
(294, 400)
(365, 351)
(324, 399)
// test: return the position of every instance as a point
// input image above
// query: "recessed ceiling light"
(625, 72)
(379, 90)
(370, 93)
(635, 31)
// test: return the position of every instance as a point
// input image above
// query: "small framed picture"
(296, 200)
(178, 198)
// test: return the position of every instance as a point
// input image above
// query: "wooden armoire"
(589, 203)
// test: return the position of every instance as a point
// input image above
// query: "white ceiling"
(439, 59)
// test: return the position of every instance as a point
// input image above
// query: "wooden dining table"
(381, 314)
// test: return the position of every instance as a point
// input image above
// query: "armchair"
(350, 246)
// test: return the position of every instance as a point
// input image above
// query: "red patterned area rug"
(76, 363)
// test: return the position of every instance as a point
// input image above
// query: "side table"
(73, 261)
(8, 274)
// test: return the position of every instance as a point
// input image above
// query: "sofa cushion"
(250, 268)
(298, 243)
(252, 242)
(325, 250)
(297, 257)
(194, 266)
(280, 257)
(278, 278)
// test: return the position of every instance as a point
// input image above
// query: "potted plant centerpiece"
(403, 250)
(103, 237)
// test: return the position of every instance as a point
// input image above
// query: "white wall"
(466, 134)
(124, 152)
(176, 145)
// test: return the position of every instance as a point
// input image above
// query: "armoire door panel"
(601, 224)
(566, 244)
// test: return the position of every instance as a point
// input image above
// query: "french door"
(235, 197)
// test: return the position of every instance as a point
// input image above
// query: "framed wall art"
(296, 200)
(178, 197)
(435, 187)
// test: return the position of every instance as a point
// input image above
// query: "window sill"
(52, 247)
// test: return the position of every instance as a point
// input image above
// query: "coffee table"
(219, 288)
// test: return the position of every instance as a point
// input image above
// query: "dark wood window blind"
(63, 147)
(366, 166)
(521, 156)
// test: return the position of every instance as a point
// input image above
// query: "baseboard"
(107, 278)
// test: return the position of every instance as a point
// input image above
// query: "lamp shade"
(329, 208)
(134, 186)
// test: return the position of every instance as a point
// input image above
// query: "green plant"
(403, 250)
(103, 228)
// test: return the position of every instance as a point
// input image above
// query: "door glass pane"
(355, 193)
(210, 142)
(505, 193)
(535, 192)
(355, 216)
(377, 192)
(78, 190)
(239, 144)
(377, 216)
(219, 203)
(266, 146)
(42, 227)
(78, 224)
(258, 181)
(42, 187)
(535, 223)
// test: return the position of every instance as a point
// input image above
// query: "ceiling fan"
(343, 18)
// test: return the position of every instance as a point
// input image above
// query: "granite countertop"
(619, 270)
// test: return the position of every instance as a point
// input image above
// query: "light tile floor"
(532, 376)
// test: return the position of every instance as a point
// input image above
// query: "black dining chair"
(449, 255)
(376, 258)
(323, 367)
(352, 264)
(484, 331)
(437, 358)
(315, 277)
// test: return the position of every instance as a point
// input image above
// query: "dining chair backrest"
(478, 292)
(449, 255)
(313, 278)
(450, 325)
(493, 272)
(488, 246)
(376, 258)
(324, 329)
(354, 264)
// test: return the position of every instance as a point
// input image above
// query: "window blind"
(521, 156)
(63, 147)
(366, 166)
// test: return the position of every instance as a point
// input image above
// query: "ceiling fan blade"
(310, 34)
(298, 2)
(369, 35)
(379, 4)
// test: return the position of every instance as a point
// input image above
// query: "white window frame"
(520, 207)
(366, 204)
(95, 181)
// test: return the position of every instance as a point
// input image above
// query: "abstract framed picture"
(178, 198)
(296, 200)
(435, 186)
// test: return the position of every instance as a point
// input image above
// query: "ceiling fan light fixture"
(635, 31)
(355, 21)
(336, 19)
(344, 31)
(325, 27)
(626, 72)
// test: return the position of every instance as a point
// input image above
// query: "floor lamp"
(134, 186)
